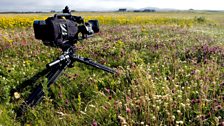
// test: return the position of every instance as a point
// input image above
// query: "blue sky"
(46, 5)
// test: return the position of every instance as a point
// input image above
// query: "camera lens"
(95, 25)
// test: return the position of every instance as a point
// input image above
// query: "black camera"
(64, 29)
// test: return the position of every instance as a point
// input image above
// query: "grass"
(169, 72)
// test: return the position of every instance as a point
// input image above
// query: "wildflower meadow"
(169, 71)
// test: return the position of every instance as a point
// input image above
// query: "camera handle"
(66, 15)
(77, 19)
(54, 70)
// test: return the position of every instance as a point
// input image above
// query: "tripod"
(53, 71)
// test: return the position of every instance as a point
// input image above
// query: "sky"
(99, 5)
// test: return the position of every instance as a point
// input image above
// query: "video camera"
(64, 29)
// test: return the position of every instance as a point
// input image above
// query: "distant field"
(159, 18)
(169, 71)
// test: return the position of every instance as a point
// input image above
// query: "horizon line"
(112, 10)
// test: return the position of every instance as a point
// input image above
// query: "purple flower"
(219, 107)
(193, 72)
(107, 90)
(128, 110)
(221, 124)
(94, 123)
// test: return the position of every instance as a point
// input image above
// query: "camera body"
(64, 28)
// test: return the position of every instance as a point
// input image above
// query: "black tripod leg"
(37, 95)
(26, 83)
(88, 61)
(30, 81)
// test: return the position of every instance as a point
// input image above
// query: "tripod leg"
(30, 81)
(88, 61)
(20, 111)
(37, 95)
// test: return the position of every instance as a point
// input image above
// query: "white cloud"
(186, 4)
(45, 5)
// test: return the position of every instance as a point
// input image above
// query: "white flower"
(173, 117)
(183, 105)
(16, 95)
(178, 111)
(153, 118)
(82, 112)
(93, 106)
(181, 122)
(61, 113)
